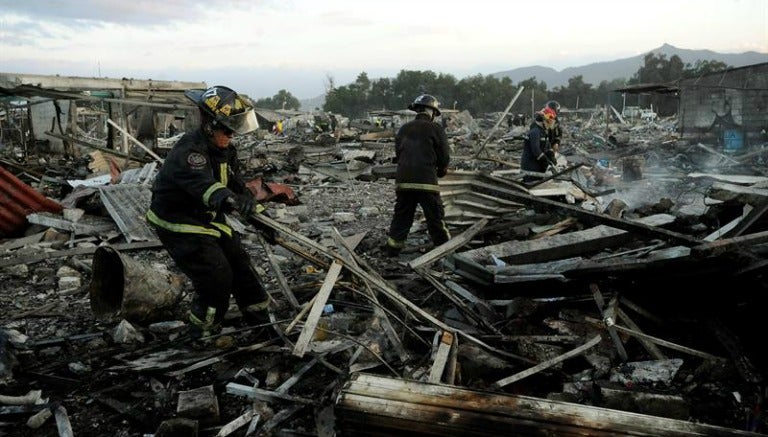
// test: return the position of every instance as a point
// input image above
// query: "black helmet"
(226, 108)
(553, 105)
(426, 101)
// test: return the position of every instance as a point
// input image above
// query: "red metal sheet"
(265, 191)
(17, 200)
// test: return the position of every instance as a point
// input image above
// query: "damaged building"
(622, 293)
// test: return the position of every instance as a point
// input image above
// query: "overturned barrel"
(122, 287)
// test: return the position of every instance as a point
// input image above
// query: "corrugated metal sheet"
(17, 200)
(127, 204)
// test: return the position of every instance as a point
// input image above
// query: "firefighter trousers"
(218, 268)
(405, 209)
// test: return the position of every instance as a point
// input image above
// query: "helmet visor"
(241, 123)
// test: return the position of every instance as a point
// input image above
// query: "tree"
(282, 100)
(700, 68)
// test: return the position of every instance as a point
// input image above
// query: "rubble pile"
(620, 295)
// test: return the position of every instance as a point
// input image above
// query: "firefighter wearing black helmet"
(196, 187)
(422, 155)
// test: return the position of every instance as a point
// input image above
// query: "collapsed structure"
(619, 296)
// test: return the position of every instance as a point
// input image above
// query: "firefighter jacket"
(536, 144)
(422, 154)
(555, 134)
(191, 185)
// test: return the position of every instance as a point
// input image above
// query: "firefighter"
(422, 155)
(555, 133)
(537, 152)
(196, 186)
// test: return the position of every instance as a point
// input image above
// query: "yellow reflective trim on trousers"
(391, 242)
(224, 228)
(180, 227)
(209, 192)
(223, 173)
(423, 187)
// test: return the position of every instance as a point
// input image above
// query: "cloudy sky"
(261, 46)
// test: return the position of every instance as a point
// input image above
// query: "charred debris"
(623, 294)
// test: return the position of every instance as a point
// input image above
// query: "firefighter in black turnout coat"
(422, 154)
(196, 186)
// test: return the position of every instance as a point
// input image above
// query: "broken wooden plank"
(609, 315)
(62, 422)
(375, 405)
(237, 423)
(729, 226)
(34, 258)
(659, 341)
(264, 395)
(725, 192)
(281, 281)
(549, 363)
(751, 218)
(719, 247)
(496, 186)
(649, 346)
(380, 315)
(317, 309)
(440, 359)
(448, 247)
(380, 285)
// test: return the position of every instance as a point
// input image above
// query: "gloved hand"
(550, 154)
(442, 172)
(240, 205)
(245, 204)
(229, 205)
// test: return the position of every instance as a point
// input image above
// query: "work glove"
(245, 204)
(229, 205)
(442, 172)
(550, 154)
(240, 205)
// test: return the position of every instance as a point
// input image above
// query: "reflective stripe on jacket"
(194, 180)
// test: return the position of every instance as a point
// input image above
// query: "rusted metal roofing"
(17, 200)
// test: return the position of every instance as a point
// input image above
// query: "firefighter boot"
(200, 328)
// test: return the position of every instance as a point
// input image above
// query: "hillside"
(627, 67)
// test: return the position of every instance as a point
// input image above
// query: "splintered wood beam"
(654, 351)
(264, 395)
(381, 316)
(441, 357)
(549, 363)
(236, 424)
(317, 309)
(375, 405)
(718, 247)
(448, 247)
(381, 285)
(284, 287)
(659, 341)
(609, 315)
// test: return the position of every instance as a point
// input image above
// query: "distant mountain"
(627, 67)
